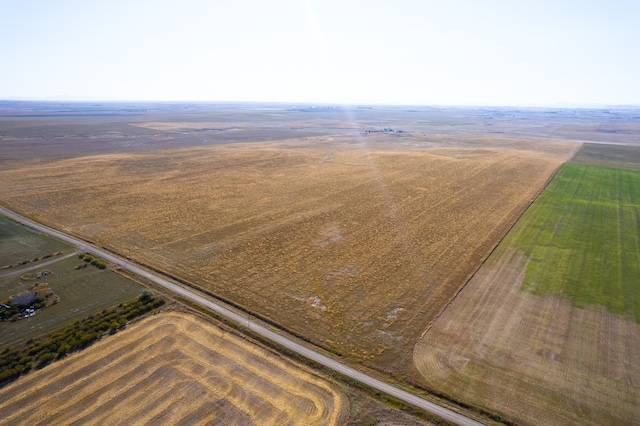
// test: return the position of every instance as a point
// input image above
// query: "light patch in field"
(392, 316)
(186, 125)
(537, 359)
(172, 369)
(329, 234)
(317, 303)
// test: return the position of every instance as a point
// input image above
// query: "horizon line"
(324, 103)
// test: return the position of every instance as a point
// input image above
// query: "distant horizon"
(324, 103)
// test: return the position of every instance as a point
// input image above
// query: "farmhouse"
(24, 299)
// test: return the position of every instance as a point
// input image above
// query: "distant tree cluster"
(92, 260)
(37, 353)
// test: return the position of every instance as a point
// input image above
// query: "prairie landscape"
(172, 368)
(548, 329)
(356, 241)
(356, 229)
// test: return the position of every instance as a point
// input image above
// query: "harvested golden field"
(537, 359)
(172, 369)
(356, 242)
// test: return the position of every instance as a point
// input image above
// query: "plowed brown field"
(356, 242)
(539, 360)
(172, 369)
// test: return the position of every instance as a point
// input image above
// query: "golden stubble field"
(172, 369)
(356, 242)
(539, 360)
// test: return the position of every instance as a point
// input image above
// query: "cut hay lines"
(172, 368)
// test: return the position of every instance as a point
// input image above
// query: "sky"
(428, 52)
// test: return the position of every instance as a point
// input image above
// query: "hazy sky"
(444, 52)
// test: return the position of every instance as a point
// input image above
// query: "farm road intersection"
(193, 296)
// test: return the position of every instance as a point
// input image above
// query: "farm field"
(19, 243)
(617, 156)
(355, 242)
(352, 227)
(161, 371)
(552, 318)
(82, 292)
(592, 255)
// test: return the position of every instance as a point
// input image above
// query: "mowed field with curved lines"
(172, 368)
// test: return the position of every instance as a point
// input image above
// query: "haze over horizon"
(494, 53)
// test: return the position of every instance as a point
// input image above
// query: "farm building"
(24, 299)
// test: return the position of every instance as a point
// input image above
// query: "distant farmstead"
(24, 299)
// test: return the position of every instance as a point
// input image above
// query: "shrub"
(7, 374)
(45, 359)
(145, 296)
(41, 351)
(63, 349)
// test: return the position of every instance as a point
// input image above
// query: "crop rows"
(172, 368)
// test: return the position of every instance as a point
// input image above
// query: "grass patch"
(19, 244)
(582, 237)
(82, 292)
(20, 359)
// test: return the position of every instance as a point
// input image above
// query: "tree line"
(39, 352)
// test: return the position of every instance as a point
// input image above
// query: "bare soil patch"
(357, 243)
(538, 360)
(172, 369)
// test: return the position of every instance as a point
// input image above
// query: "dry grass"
(172, 369)
(539, 360)
(357, 243)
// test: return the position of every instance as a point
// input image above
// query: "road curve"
(193, 296)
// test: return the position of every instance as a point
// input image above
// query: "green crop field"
(82, 292)
(19, 243)
(582, 236)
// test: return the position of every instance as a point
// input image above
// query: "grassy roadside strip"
(39, 352)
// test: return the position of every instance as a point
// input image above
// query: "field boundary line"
(513, 223)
